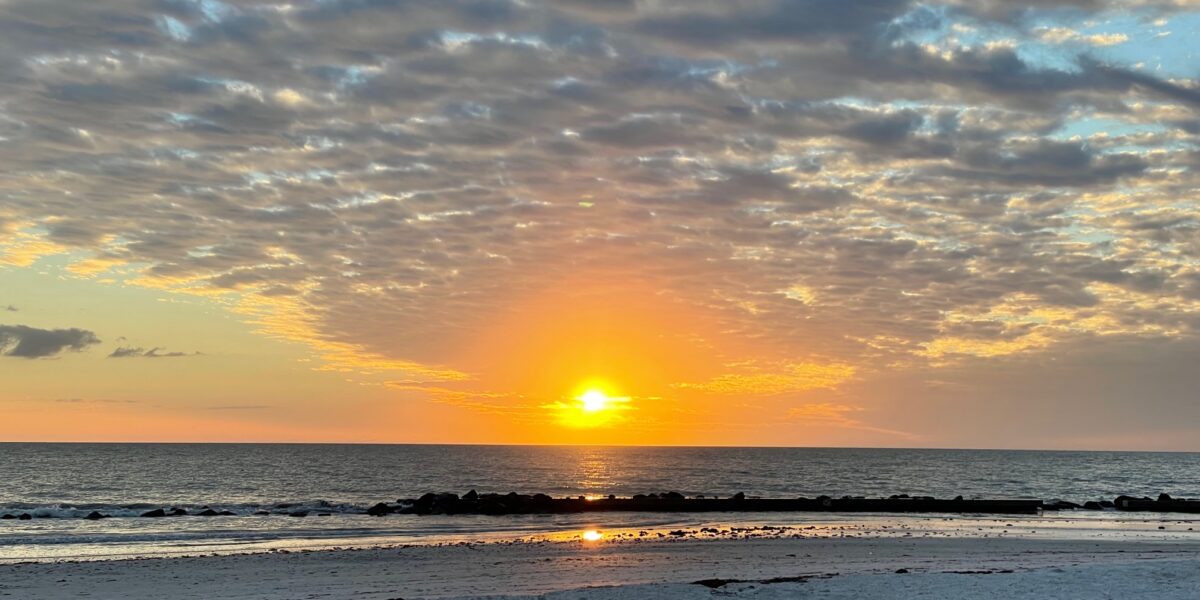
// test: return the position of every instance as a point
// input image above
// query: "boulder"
(672, 496)
(1121, 500)
(1059, 505)
(6, 517)
(445, 503)
(25, 517)
(379, 510)
(227, 513)
(158, 512)
(490, 505)
(471, 496)
(207, 512)
(1107, 504)
(177, 512)
(298, 513)
(95, 516)
(738, 496)
(1165, 497)
(1092, 505)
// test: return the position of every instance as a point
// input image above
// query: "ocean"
(335, 483)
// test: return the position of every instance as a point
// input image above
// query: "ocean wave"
(138, 509)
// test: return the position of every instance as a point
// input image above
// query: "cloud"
(137, 352)
(779, 379)
(830, 414)
(1059, 35)
(30, 342)
(94, 401)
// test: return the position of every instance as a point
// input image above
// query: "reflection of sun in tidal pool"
(592, 535)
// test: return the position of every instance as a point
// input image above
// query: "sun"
(593, 400)
(593, 405)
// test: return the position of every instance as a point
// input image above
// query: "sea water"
(332, 484)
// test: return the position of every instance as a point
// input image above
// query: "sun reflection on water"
(591, 535)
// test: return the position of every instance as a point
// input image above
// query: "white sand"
(646, 569)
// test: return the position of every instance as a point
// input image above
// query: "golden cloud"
(791, 377)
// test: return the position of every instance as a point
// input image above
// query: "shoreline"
(132, 539)
(626, 568)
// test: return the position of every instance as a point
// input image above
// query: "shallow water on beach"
(61, 482)
(74, 539)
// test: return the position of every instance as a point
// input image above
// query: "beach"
(765, 562)
(667, 569)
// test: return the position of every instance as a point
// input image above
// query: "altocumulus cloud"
(30, 342)
(136, 352)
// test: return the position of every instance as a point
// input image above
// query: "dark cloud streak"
(21, 341)
(135, 352)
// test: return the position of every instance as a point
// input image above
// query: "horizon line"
(535, 445)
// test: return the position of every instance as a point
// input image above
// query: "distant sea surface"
(61, 482)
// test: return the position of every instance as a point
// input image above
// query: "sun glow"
(592, 406)
(592, 535)
(593, 400)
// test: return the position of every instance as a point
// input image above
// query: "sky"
(764, 222)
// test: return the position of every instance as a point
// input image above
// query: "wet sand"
(762, 564)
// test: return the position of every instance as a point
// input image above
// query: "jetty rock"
(515, 504)
(158, 512)
(1164, 503)
(379, 510)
